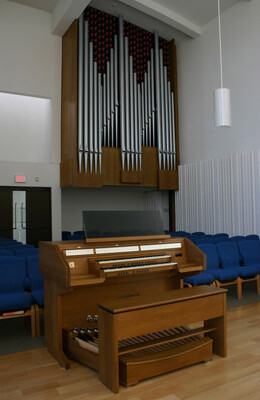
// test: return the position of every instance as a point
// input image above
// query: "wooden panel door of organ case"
(38, 215)
(6, 213)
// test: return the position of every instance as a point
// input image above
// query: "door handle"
(15, 216)
(23, 223)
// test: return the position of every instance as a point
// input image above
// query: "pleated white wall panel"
(220, 195)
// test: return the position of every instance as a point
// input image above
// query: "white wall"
(30, 64)
(199, 75)
(219, 172)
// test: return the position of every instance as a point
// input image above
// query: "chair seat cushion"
(200, 279)
(15, 301)
(255, 266)
(247, 272)
(225, 274)
(38, 297)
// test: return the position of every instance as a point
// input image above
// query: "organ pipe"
(116, 108)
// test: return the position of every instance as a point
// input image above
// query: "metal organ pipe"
(86, 95)
(170, 126)
(91, 95)
(112, 96)
(80, 92)
(162, 107)
(152, 96)
(122, 91)
(127, 120)
(116, 89)
(108, 105)
(157, 97)
(131, 108)
(100, 120)
(167, 130)
(114, 104)
(95, 106)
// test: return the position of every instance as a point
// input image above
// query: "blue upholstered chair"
(252, 237)
(229, 255)
(221, 235)
(36, 284)
(222, 277)
(205, 278)
(21, 252)
(13, 299)
(203, 240)
(5, 253)
(18, 246)
(65, 235)
(250, 251)
(237, 238)
(221, 239)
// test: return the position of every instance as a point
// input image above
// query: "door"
(25, 215)
(6, 213)
(38, 215)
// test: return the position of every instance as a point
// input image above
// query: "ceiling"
(185, 16)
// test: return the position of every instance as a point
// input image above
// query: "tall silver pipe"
(108, 105)
(116, 89)
(100, 120)
(149, 103)
(170, 127)
(152, 98)
(105, 109)
(139, 135)
(131, 95)
(91, 94)
(136, 150)
(122, 91)
(127, 119)
(173, 128)
(80, 92)
(86, 95)
(146, 126)
(162, 109)
(166, 106)
(143, 113)
(112, 96)
(95, 106)
(157, 97)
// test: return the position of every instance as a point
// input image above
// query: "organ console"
(81, 276)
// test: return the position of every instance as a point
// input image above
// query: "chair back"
(36, 279)
(4, 252)
(229, 254)
(13, 274)
(237, 238)
(212, 255)
(221, 235)
(221, 239)
(21, 252)
(252, 237)
(250, 251)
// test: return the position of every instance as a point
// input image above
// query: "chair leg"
(33, 327)
(239, 288)
(37, 319)
(258, 284)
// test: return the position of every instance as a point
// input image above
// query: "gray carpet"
(15, 334)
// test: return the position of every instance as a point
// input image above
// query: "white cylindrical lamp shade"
(222, 107)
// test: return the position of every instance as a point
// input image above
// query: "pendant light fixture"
(221, 95)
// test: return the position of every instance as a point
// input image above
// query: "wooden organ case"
(115, 275)
(119, 123)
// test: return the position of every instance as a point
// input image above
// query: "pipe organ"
(119, 105)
